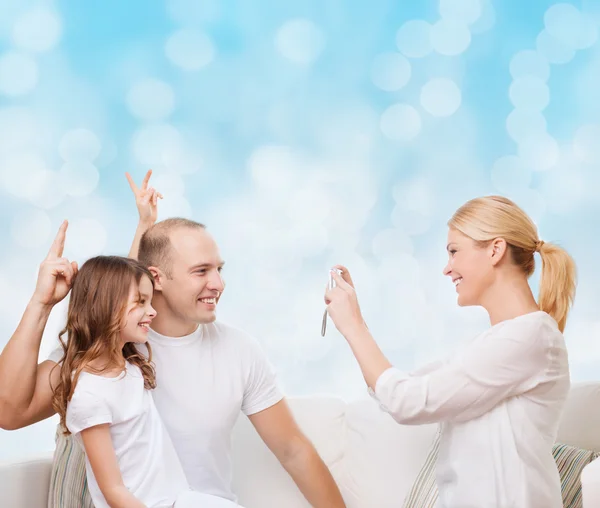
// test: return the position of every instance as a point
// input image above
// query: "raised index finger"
(58, 245)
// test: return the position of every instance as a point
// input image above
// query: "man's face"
(195, 286)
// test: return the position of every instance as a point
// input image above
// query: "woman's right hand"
(146, 199)
(56, 274)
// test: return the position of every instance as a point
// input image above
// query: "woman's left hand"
(342, 303)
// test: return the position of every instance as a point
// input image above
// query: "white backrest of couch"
(372, 459)
(580, 423)
(25, 483)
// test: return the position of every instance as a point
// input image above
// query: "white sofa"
(373, 459)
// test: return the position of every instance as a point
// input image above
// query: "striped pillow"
(424, 492)
(569, 460)
(68, 482)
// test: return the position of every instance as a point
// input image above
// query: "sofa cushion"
(382, 457)
(260, 481)
(68, 482)
(570, 461)
(424, 493)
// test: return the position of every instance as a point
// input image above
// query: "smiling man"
(208, 371)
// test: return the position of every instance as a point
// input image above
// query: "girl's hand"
(146, 199)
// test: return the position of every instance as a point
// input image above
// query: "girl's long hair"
(95, 318)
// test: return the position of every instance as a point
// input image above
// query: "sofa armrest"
(26, 482)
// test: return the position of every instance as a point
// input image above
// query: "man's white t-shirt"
(203, 382)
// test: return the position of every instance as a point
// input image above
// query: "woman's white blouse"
(499, 402)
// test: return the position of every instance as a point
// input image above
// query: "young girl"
(103, 397)
(500, 399)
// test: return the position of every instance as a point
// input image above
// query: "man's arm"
(25, 387)
(280, 432)
(146, 200)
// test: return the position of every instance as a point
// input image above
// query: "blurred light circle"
(183, 162)
(586, 143)
(529, 63)
(522, 123)
(189, 49)
(18, 129)
(563, 191)
(18, 74)
(486, 20)
(566, 23)
(390, 71)
(50, 191)
(450, 37)
(465, 11)
(87, 237)
(20, 174)
(309, 205)
(153, 143)
(539, 152)
(413, 38)
(529, 93)
(38, 29)
(79, 145)
(174, 206)
(31, 228)
(192, 12)
(440, 97)
(151, 99)
(169, 184)
(391, 242)
(300, 41)
(273, 168)
(412, 222)
(415, 195)
(509, 173)
(79, 178)
(552, 49)
(400, 122)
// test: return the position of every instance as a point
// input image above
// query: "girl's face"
(470, 267)
(139, 313)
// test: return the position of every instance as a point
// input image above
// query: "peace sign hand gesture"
(56, 274)
(146, 199)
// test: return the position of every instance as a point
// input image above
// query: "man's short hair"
(155, 244)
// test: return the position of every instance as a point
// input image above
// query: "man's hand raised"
(146, 199)
(56, 274)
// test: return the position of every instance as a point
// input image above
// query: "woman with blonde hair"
(499, 400)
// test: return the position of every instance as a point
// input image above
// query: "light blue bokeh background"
(303, 133)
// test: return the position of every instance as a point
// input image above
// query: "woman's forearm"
(371, 359)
